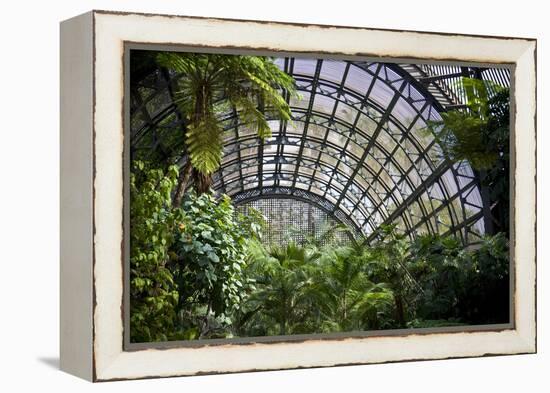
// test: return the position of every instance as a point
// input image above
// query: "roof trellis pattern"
(356, 146)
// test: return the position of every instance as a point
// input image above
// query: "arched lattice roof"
(356, 147)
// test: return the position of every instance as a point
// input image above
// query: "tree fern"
(251, 85)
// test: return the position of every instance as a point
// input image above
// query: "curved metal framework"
(356, 147)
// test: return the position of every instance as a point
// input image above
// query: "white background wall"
(29, 206)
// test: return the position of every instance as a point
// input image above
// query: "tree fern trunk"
(400, 309)
(183, 179)
(202, 182)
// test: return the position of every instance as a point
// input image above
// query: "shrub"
(211, 248)
(152, 220)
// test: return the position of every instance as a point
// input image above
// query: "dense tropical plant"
(439, 264)
(283, 289)
(461, 285)
(389, 262)
(329, 234)
(209, 260)
(346, 296)
(210, 84)
(481, 135)
(487, 290)
(301, 289)
(153, 293)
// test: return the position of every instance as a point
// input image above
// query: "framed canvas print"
(245, 195)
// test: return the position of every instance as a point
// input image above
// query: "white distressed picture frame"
(92, 151)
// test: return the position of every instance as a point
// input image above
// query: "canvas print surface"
(282, 196)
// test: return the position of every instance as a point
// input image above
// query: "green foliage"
(211, 249)
(205, 144)
(480, 134)
(388, 263)
(212, 83)
(435, 279)
(347, 297)
(487, 283)
(464, 137)
(328, 235)
(152, 219)
(300, 289)
(201, 271)
(463, 285)
(440, 263)
(283, 287)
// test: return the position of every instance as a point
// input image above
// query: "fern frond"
(211, 83)
(179, 62)
(252, 117)
(205, 145)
